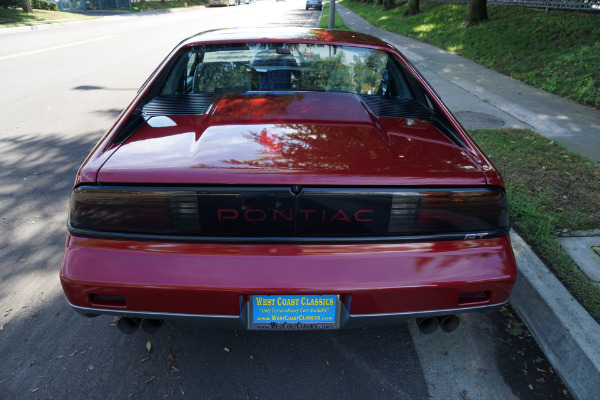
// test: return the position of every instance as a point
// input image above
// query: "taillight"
(300, 214)
(145, 211)
(402, 212)
(449, 211)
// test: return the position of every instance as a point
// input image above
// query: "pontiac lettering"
(326, 216)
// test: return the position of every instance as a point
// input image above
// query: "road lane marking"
(62, 46)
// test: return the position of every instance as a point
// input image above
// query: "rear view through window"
(287, 67)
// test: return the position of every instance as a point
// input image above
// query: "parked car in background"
(222, 2)
(317, 4)
(287, 179)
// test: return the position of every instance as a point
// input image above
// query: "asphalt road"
(61, 89)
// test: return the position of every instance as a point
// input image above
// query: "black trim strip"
(348, 321)
(288, 240)
(135, 122)
(444, 126)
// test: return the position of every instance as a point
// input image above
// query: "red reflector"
(474, 298)
(107, 301)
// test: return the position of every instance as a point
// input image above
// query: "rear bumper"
(378, 284)
(241, 322)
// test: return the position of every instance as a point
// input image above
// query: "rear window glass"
(286, 67)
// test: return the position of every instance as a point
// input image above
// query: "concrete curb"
(17, 29)
(565, 331)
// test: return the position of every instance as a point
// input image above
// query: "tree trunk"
(389, 4)
(378, 2)
(413, 8)
(476, 12)
(26, 6)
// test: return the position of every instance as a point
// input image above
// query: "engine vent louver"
(188, 104)
(398, 108)
(407, 108)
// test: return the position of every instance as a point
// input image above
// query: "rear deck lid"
(289, 138)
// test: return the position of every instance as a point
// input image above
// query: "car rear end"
(264, 208)
(316, 4)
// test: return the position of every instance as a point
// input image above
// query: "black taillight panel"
(343, 212)
(184, 211)
(144, 211)
(247, 211)
(279, 212)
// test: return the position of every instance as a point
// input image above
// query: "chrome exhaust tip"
(128, 325)
(151, 326)
(449, 323)
(427, 325)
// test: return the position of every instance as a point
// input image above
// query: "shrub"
(10, 3)
(43, 5)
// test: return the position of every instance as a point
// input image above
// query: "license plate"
(294, 312)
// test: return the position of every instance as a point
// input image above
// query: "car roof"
(293, 34)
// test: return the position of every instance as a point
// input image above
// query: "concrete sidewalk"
(481, 98)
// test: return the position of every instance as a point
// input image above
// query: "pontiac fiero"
(287, 179)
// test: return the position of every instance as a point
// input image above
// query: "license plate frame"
(294, 312)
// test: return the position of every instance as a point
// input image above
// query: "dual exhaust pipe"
(428, 325)
(130, 325)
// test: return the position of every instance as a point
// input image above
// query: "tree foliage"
(10, 3)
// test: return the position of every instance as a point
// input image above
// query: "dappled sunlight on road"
(38, 173)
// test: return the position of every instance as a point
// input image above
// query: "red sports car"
(295, 179)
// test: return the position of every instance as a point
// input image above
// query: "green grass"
(339, 24)
(550, 190)
(10, 18)
(558, 52)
